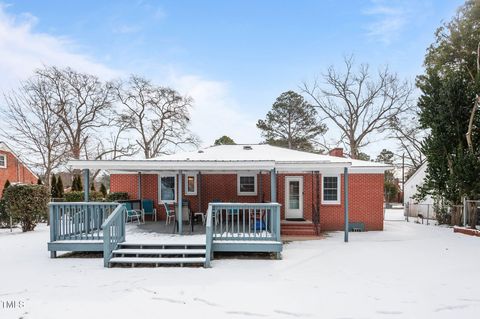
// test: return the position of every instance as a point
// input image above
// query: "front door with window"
(293, 197)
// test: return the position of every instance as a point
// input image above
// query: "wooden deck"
(230, 227)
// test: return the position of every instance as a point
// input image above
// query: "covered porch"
(239, 200)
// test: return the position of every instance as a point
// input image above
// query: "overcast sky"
(233, 57)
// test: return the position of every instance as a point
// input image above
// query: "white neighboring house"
(413, 206)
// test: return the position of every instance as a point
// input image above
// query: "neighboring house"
(305, 183)
(13, 169)
(412, 206)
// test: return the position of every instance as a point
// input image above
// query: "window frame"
(195, 176)
(4, 160)
(160, 176)
(331, 202)
(255, 186)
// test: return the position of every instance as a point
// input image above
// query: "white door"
(293, 197)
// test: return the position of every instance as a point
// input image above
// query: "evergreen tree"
(5, 186)
(224, 140)
(39, 181)
(450, 88)
(292, 123)
(53, 187)
(59, 187)
(92, 187)
(103, 190)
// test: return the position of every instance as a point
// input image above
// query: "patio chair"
(132, 214)
(148, 209)
(170, 213)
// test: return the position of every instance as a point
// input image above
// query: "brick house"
(309, 187)
(13, 169)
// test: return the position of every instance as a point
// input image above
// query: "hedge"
(78, 196)
(112, 197)
(26, 204)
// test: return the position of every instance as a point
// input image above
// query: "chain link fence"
(421, 211)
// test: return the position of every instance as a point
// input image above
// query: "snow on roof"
(236, 158)
(260, 152)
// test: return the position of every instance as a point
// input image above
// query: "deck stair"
(298, 228)
(158, 254)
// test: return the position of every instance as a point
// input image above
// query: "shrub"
(103, 190)
(112, 197)
(78, 196)
(4, 219)
(60, 192)
(53, 187)
(26, 204)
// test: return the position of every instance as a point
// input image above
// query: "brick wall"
(365, 195)
(15, 172)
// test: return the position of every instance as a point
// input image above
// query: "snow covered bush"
(27, 204)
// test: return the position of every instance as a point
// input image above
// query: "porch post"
(140, 188)
(180, 207)
(86, 184)
(345, 200)
(273, 185)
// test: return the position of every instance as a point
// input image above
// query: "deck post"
(86, 184)
(345, 200)
(273, 185)
(180, 204)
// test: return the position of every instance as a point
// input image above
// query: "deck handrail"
(241, 222)
(78, 220)
(113, 232)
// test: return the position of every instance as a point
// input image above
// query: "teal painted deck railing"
(113, 232)
(78, 221)
(242, 223)
(245, 221)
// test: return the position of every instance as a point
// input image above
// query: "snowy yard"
(406, 271)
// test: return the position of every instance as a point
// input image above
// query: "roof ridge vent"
(247, 147)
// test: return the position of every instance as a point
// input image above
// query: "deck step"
(175, 245)
(157, 260)
(129, 251)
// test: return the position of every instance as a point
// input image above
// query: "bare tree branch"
(358, 104)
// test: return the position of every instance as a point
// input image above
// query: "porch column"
(180, 207)
(273, 185)
(140, 188)
(86, 184)
(345, 200)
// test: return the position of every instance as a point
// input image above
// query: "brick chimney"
(338, 152)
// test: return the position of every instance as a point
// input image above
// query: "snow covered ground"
(407, 271)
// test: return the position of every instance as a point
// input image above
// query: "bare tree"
(32, 126)
(82, 103)
(158, 115)
(409, 135)
(358, 103)
(113, 144)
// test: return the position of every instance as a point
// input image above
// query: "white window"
(3, 161)
(331, 189)
(167, 188)
(190, 184)
(247, 184)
